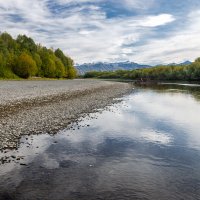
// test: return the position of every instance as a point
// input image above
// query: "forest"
(189, 72)
(23, 58)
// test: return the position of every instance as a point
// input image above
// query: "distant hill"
(102, 66)
(179, 64)
(186, 63)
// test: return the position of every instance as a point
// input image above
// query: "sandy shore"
(33, 107)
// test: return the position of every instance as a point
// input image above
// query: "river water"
(145, 147)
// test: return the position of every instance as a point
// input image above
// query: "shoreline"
(49, 106)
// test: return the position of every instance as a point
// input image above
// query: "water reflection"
(146, 147)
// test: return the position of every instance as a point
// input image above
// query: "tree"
(38, 61)
(48, 64)
(2, 60)
(60, 68)
(25, 66)
(72, 73)
(7, 43)
(197, 60)
(68, 63)
(23, 57)
(26, 43)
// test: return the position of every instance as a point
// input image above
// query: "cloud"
(83, 29)
(153, 21)
(77, 1)
(138, 4)
(180, 45)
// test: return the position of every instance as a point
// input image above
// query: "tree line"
(22, 57)
(189, 72)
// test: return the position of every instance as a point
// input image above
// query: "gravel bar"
(34, 107)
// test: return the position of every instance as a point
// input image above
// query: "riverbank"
(33, 107)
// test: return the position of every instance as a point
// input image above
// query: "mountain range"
(104, 66)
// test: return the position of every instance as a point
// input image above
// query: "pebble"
(51, 106)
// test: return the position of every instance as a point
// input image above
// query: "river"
(145, 147)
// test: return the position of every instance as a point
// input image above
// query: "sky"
(143, 31)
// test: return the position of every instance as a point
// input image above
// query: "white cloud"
(182, 44)
(86, 34)
(137, 4)
(77, 1)
(153, 21)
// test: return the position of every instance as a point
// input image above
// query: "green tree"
(5, 72)
(2, 60)
(48, 64)
(25, 66)
(60, 68)
(70, 71)
(26, 44)
(8, 42)
(38, 61)
(23, 57)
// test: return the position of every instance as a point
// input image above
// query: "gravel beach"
(33, 107)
